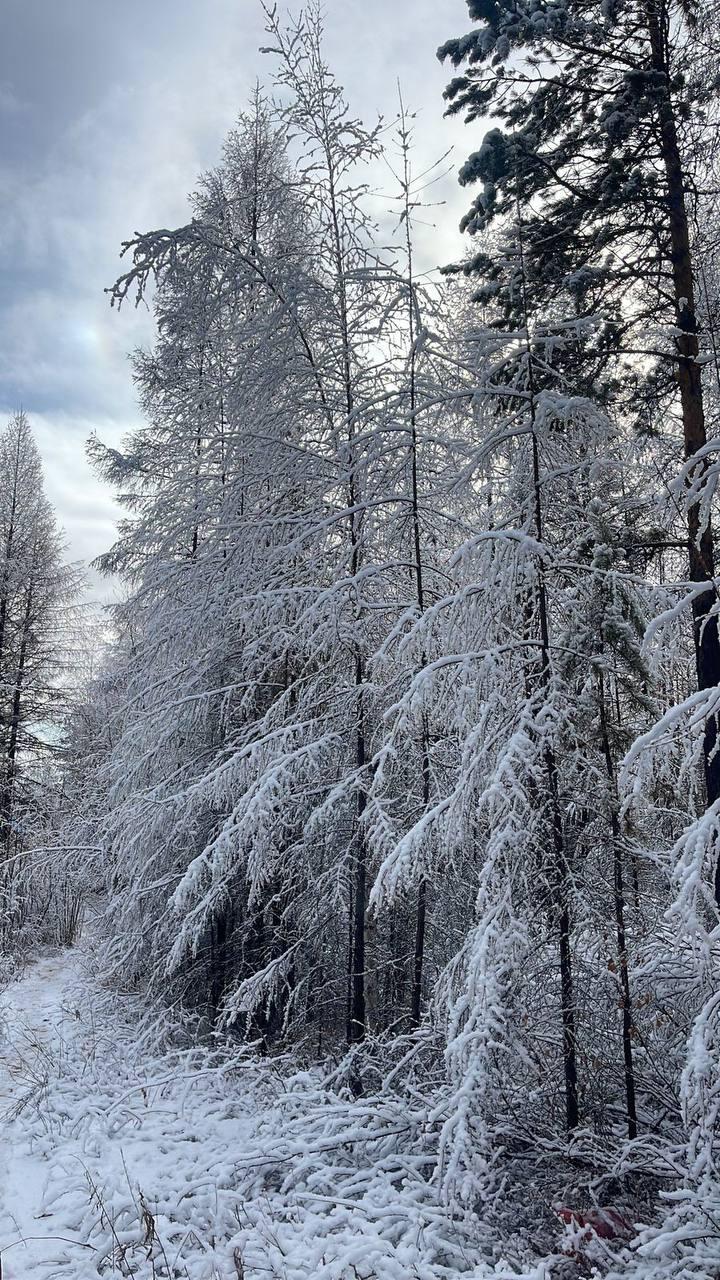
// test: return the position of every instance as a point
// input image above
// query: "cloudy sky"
(109, 109)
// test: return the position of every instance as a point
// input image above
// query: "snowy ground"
(32, 1030)
(94, 1140)
(119, 1160)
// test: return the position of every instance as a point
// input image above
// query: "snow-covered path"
(33, 1018)
(105, 1152)
(130, 1151)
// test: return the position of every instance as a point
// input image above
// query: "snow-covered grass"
(203, 1163)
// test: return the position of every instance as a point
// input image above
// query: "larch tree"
(332, 145)
(36, 597)
(216, 481)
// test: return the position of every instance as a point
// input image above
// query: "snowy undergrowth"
(203, 1164)
(211, 1163)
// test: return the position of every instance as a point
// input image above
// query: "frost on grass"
(137, 1154)
(208, 1162)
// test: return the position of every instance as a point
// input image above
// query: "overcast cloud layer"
(109, 109)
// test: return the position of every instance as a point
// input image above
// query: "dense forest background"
(399, 759)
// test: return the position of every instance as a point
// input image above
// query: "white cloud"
(122, 156)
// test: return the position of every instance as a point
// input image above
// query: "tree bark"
(8, 789)
(560, 871)
(560, 874)
(619, 902)
(700, 540)
(357, 984)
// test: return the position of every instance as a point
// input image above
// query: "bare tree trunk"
(414, 321)
(419, 957)
(357, 984)
(700, 541)
(8, 786)
(560, 875)
(619, 903)
(357, 1020)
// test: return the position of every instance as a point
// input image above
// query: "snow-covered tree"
(37, 594)
(601, 112)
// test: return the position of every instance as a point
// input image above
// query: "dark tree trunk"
(700, 543)
(416, 1001)
(561, 894)
(421, 909)
(8, 788)
(218, 961)
(619, 902)
(357, 984)
(413, 321)
(560, 871)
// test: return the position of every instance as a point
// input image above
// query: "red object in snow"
(608, 1224)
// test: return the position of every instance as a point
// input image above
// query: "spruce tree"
(599, 107)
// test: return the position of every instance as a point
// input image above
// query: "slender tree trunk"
(419, 957)
(560, 877)
(421, 908)
(413, 326)
(700, 541)
(357, 1020)
(198, 456)
(8, 788)
(350, 964)
(357, 991)
(619, 903)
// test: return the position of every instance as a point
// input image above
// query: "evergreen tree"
(600, 106)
